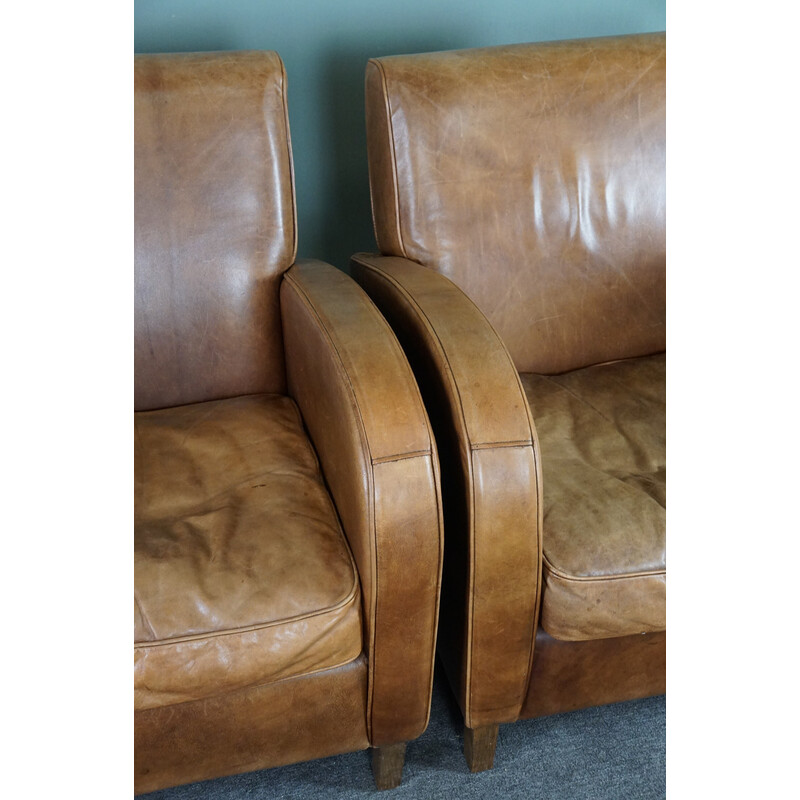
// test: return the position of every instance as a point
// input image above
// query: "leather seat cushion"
(603, 442)
(242, 573)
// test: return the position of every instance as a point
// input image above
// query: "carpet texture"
(613, 752)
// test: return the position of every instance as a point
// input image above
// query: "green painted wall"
(325, 45)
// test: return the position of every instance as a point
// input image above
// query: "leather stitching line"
(601, 578)
(493, 445)
(254, 687)
(348, 599)
(400, 456)
(287, 133)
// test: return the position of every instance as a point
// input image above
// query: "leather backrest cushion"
(533, 176)
(214, 225)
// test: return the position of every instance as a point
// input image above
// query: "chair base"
(567, 676)
(387, 765)
(479, 746)
(247, 730)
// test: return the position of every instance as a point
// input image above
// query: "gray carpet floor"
(616, 752)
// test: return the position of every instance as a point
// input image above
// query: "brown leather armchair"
(287, 509)
(519, 206)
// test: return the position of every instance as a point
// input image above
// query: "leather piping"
(400, 456)
(494, 445)
(255, 627)
(253, 686)
(284, 82)
(601, 578)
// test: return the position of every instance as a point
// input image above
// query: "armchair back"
(533, 176)
(214, 226)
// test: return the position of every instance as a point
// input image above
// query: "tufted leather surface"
(214, 225)
(242, 573)
(602, 432)
(533, 176)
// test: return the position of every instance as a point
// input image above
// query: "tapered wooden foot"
(479, 745)
(387, 765)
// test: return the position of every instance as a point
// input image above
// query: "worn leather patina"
(215, 225)
(533, 177)
(568, 675)
(602, 433)
(518, 196)
(381, 466)
(288, 531)
(219, 608)
(491, 484)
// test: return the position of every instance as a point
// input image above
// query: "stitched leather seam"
(253, 687)
(348, 600)
(520, 698)
(291, 161)
(601, 578)
(370, 171)
(400, 456)
(286, 620)
(493, 445)
(392, 147)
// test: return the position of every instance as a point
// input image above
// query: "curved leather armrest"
(365, 416)
(491, 482)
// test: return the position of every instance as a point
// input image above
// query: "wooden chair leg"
(387, 765)
(479, 746)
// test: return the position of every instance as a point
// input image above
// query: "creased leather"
(490, 473)
(533, 176)
(214, 225)
(242, 573)
(363, 411)
(602, 431)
